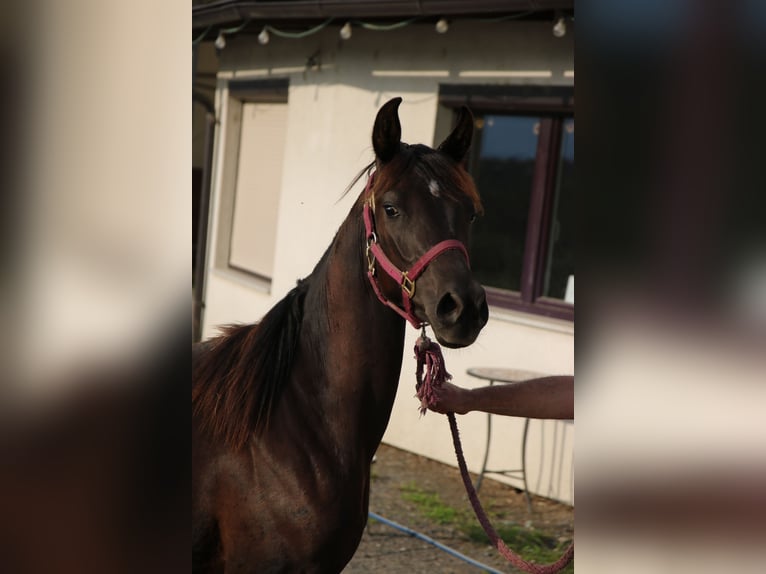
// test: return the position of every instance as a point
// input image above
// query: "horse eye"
(390, 210)
(473, 218)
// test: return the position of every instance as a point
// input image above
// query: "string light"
(220, 41)
(345, 32)
(560, 28)
(441, 27)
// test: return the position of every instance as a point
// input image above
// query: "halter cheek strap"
(405, 279)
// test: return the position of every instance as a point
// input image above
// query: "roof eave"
(227, 12)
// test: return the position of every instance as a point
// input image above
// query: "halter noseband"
(405, 279)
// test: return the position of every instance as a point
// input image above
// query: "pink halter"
(406, 279)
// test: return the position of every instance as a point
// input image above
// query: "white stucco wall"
(330, 116)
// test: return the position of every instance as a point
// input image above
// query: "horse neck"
(361, 342)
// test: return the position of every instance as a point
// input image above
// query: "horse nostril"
(449, 308)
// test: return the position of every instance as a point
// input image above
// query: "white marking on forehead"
(433, 187)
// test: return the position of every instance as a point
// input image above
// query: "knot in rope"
(429, 355)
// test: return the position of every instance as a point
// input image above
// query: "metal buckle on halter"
(408, 285)
(370, 255)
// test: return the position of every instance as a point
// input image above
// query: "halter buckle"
(370, 255)
(408, 285)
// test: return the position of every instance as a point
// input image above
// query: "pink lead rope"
(429, 355)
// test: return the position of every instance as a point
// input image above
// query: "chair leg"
(486, 453)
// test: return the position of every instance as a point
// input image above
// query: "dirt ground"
(385, 549)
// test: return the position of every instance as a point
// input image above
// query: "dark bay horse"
(288, 413)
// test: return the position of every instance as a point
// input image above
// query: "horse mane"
(238, 376)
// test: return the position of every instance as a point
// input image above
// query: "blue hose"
(439, 545)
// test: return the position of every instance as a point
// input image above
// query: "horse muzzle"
(459, 314)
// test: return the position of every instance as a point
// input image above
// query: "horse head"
(422, 202)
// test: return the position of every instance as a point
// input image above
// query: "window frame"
(239, 92)
(555, 104)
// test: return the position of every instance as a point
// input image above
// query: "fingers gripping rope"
(429, 355)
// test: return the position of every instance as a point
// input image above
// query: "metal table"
(506, 376)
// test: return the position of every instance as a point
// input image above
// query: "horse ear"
(387, 133)
(457, 143)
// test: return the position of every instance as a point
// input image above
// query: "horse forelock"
(237, 377)
(432, 168)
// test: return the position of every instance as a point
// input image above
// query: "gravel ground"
(385, 549)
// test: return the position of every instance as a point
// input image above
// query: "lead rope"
(429, 355)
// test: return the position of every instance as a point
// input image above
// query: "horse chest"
(272, 518)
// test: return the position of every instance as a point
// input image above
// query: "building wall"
(331, 110)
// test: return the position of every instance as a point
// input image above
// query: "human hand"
(449, 398)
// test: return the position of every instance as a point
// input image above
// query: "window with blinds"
(257, 187)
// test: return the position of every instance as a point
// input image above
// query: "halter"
(405, 279)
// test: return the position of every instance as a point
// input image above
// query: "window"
(522, 160)
(259, 180)
(256, 132)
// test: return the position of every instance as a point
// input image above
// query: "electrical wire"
(309, 32)
(385, 27)
(235, 29)
(506, 17)
(365, 25)
(201, 37)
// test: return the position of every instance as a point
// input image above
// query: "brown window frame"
(554, 104)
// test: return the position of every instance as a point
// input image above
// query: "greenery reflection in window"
(523, 247)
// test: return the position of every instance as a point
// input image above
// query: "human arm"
(542, 398)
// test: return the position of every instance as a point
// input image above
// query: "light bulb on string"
(560, 28)
(345, 31)
(442, 26)
(263, 37)
(220, 41)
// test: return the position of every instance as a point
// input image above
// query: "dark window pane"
(502, 165)
(560, 260)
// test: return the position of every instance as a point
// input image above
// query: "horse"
(288, 413)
